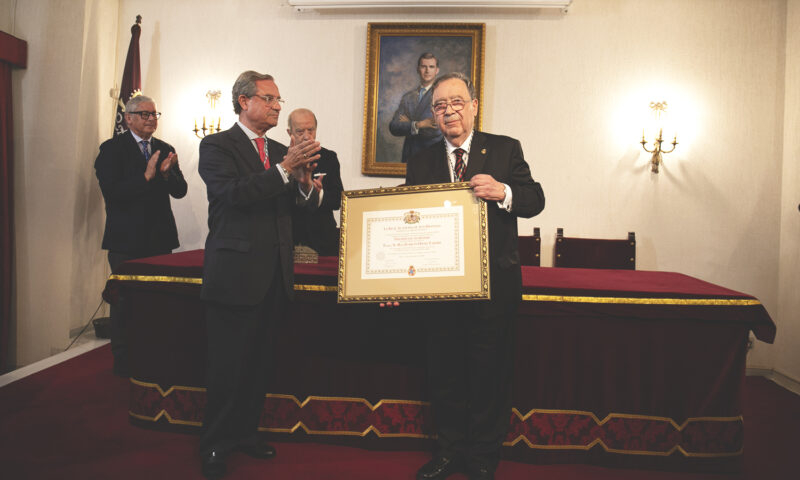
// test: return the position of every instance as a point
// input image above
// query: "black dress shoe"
(439, 468)
(260, 449)
(213, 465)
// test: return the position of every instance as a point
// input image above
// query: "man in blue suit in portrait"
(414, 118)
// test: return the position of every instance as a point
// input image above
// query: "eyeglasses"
(270, 100)
(456, 104)
(145, 114)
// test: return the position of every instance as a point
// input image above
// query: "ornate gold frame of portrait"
(429, 32)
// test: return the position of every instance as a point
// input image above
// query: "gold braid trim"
(345, 399)
(521, 438)
(611, 416)
(168, 391)
(642, 301)
(525, 297)
(597, 441)
(163, 413)
(284, 396)
(157, 278)
(199, 281)
(301, 425)
(315, 288)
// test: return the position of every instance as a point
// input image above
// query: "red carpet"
(70, 422)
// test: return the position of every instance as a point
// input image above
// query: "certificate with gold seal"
(417, 243)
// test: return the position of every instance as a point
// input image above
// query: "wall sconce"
(658, 108)
(212, 96)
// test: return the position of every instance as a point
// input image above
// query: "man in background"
(471, 344)
(317, 228)
(137, 173)
(254, 184)
(413, 118)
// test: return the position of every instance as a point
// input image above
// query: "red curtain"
(13, 53)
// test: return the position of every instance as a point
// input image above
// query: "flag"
(131, 77)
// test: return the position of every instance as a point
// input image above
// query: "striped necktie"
(145, 149)
(458, 169)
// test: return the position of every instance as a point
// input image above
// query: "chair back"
(530, 248)
(572, 252)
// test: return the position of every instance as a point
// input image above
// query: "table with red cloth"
(613, 367)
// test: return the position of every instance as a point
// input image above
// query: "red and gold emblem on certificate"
(411, 217)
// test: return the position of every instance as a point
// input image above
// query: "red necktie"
(458, 169)
(262, 153)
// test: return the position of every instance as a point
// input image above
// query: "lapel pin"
(483, 151)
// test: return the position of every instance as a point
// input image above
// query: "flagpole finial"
(137, 27)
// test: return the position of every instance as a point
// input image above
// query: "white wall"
(59, 117)
(573, 88)
(7, 15)
(787, 358)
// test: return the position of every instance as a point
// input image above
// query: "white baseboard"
(784, 381)
(50, 361)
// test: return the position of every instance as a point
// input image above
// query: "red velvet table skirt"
(624, 368)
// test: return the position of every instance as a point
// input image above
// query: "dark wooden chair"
(572, 252)
(530, 248)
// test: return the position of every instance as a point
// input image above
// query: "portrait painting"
(403, 60)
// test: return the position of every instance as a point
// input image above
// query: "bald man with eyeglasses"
(138, 173)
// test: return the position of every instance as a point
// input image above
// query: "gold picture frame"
(393, 53)
(413, 243)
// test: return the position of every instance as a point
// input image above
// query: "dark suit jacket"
(501, 157)
(415, 110)
(249, 219)
(139, 217)
(317, 229)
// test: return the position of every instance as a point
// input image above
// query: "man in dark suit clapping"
(137, 174)
(470, 344)
(254, 184)
(317, 229)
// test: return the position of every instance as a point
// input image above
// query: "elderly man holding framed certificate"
(451, 234)
(470, 344)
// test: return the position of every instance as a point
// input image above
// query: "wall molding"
(781, 379)
(304, 5)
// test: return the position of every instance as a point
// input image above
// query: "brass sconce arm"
(656, 159)
(658, 108)
(213, 97)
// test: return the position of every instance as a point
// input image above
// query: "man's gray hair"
(246, 85)
(458, 76)
(134, 103)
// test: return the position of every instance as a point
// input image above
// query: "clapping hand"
(150, 169)
(172, 159)
(300, 160)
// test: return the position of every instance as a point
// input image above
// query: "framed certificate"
(416, 243)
